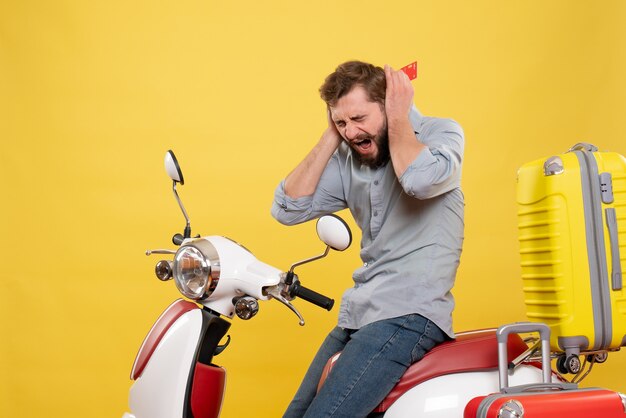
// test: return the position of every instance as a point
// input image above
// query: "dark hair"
(351, 74)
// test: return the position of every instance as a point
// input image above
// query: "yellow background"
(92, 94)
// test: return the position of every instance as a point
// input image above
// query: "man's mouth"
(362, 144)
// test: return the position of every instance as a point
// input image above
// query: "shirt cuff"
(288, 203)
(423, 160)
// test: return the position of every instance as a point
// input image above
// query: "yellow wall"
(92, 93)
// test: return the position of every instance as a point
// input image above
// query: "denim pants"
(372, 361)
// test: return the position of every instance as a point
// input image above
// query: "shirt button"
(375, 213)
(375, 182)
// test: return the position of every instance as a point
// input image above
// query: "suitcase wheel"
(598, 357)
(568, 364)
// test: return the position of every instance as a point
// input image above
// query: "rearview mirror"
(175, 173)
(172, 167)
(334, 232)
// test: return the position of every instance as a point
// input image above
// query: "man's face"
(363, 125)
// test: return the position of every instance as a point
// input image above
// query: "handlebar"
(297, 290)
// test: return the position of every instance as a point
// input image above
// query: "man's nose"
(351, 131)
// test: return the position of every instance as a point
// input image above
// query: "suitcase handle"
(583, 146)
(502, 334)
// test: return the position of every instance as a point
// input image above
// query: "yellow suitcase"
(572, 235)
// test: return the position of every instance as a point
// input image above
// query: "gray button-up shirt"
(412, 227)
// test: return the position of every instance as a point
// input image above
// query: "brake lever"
(275, 292)
(160, 251)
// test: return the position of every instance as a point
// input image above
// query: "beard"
(381, 139)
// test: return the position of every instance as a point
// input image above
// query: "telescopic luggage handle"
(502, 334)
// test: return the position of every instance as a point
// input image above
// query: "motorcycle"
(174, 374)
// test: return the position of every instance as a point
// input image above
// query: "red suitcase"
(570, 403)
(548, 399)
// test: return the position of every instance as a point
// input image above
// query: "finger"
(404, 75)
(400, 76)
(389, 76)
(397, 78)
(329, 118)
(403, 81)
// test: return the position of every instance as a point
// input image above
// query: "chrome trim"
(530, 352)
(211, 257)
(210, 254)
(275, 292)
(163, 270)
(284, 288)
(246, 307)
(180, 203)
(308, 260)
(511, 409)
(150, 252)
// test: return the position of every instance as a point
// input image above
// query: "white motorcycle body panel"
(240, 274)
(160, 390)
(446, 396)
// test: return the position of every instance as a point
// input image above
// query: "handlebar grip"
(312, 296)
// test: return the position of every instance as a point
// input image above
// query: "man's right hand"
(303, 180)
(331, 130)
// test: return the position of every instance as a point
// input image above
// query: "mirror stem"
(308, 260)
(180, 203)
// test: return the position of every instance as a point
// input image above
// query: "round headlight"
(192, 272)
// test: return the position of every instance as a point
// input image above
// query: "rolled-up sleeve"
(437, 168)
(328, 198)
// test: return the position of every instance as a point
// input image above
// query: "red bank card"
(410, 70)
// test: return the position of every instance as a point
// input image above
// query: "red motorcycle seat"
(470, 351)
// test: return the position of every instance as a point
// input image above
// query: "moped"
(174, 374)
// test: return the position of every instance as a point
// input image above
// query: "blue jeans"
(372, 361)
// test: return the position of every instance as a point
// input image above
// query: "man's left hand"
(399, 94)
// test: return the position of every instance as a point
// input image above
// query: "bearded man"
(399, 173)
